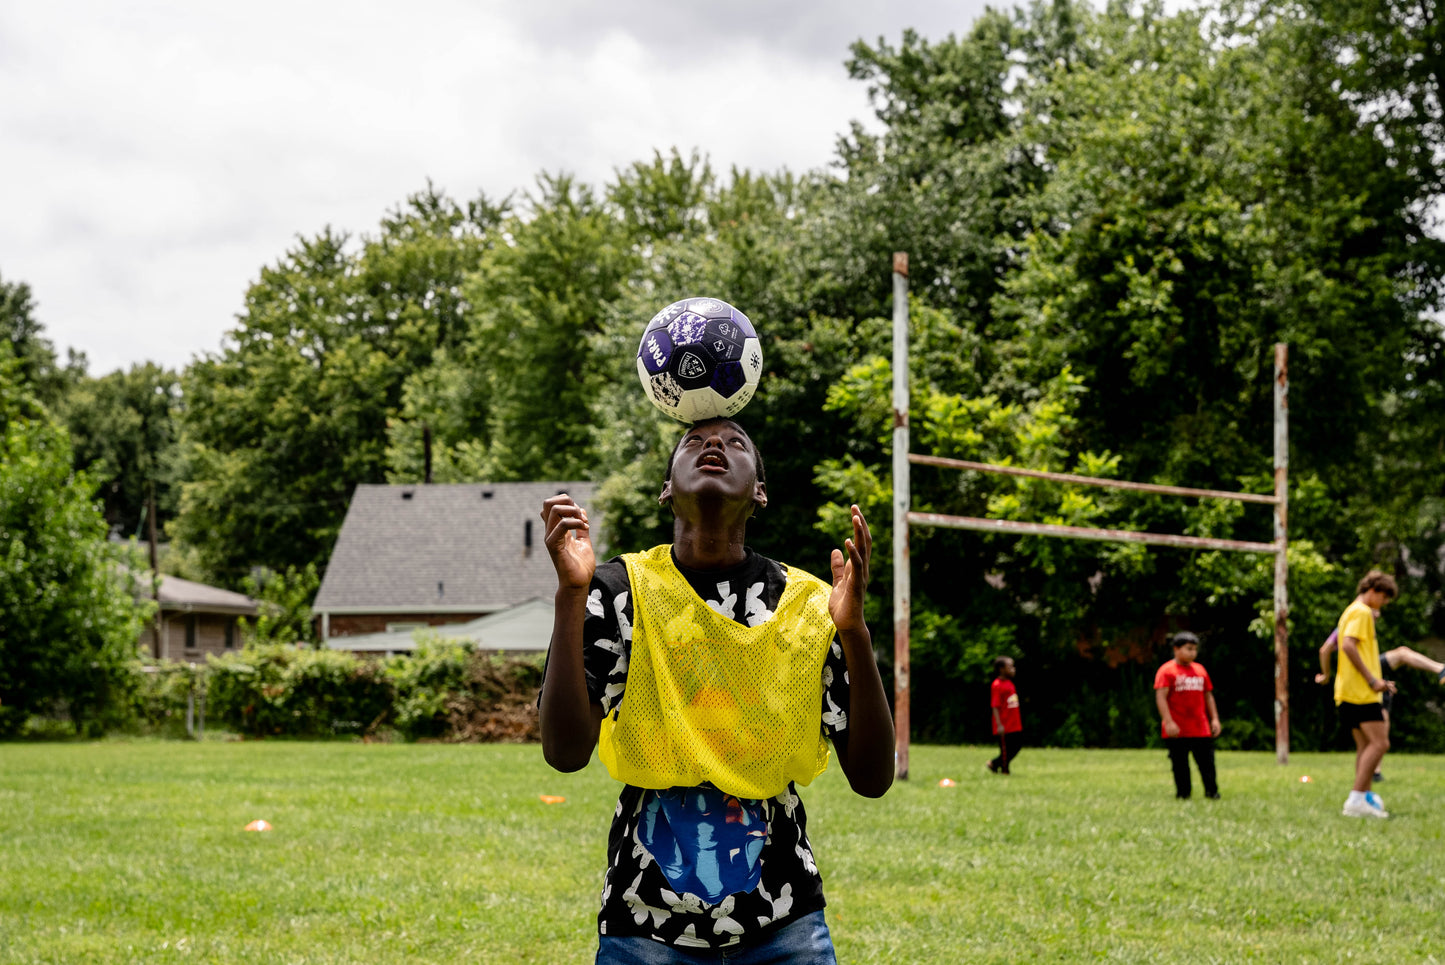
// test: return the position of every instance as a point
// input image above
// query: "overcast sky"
(154, 155)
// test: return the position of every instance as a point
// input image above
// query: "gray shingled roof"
(451, 546)
(179, 594)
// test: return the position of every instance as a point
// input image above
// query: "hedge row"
(447, 692)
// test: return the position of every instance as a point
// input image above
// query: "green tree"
(292, 413)
(537, 300)
(1187, 190)
(1217, 187)
(941, 180)
(123, 430)
(540, 301)
(69, 620)
(285, 612)
(22, 337)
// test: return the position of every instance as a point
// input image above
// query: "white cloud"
(158, 154)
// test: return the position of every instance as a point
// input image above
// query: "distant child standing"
(1007, 724)
(1185, 697)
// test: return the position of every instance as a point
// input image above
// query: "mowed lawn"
(133, 852)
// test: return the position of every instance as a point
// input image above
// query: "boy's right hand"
(569, 542)
(1171, 728)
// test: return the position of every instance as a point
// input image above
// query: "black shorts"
(1353, 715)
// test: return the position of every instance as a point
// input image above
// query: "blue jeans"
(802, 942)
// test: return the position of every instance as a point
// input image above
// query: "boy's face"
(1185, 653)
(1007, 670)
(715, 458)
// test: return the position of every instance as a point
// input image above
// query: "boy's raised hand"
(569, 542)
(850, 577)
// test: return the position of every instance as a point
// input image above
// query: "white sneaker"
(1375, 799)
(1364, 809)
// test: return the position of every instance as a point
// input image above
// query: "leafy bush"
(444, 691)
(451, 691)
(159, 695)
(244, 688)
(329, 692)
(499, 702)
(423, 682)
(279, 690)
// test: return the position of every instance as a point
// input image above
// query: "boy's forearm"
(569, 720)
(1211, 707)
(1161, 701)
(1352, 653)
(868, 761)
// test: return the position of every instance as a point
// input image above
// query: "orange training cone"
(258, 825)
(551, 799)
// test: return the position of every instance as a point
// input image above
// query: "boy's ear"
(665, 497)
(760, 495)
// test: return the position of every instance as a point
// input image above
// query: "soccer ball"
(700, 358)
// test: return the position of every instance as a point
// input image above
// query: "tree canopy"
(69, 616)
(1111, 215)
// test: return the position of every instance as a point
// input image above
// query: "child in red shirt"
(1007, 724)
(1185, 697)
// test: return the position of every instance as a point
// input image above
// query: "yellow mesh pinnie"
(709, 699)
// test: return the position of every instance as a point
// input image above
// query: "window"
(230, 634)
(191, 621)
(405, 627)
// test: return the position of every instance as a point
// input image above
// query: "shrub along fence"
(446, 692)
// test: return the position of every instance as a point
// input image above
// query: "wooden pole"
(1281, 556)
(901, 503)
(153, 537)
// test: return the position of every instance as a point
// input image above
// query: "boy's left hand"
(850, 577)
(1214, 727)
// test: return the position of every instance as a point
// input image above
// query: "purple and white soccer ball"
(700, 358)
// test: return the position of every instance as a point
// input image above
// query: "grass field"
(133, 852)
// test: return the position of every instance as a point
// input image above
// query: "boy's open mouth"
(712, 461)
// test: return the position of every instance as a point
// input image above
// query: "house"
(524, 628)
(426, 555)
(195, 620)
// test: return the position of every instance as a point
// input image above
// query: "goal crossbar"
(1065, 477)
(1085, 532)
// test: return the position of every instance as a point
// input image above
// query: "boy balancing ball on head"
(1184, 695)
(1359, 690)
(710, 678)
